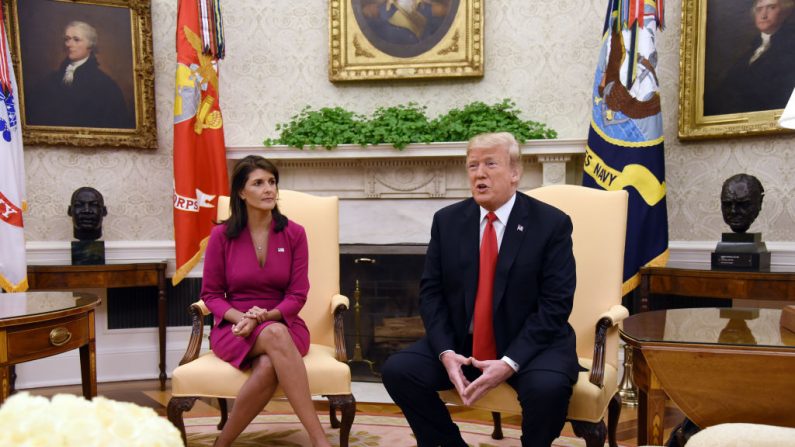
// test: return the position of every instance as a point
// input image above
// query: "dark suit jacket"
(533, 287)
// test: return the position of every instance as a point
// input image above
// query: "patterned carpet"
(284, 430)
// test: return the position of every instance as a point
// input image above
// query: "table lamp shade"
(223, 209)
(788, 117)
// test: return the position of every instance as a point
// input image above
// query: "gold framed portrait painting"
(84, 71)
(405, 39)
(737, 60)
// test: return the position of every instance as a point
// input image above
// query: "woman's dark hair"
(238, 219)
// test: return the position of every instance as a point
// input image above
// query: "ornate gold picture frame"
(716, 97)
(84, 71)
(405, 39)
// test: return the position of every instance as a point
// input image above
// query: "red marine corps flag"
(13, 267)
(199, 151)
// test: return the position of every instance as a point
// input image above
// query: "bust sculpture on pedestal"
(741, 200)
(87, 209)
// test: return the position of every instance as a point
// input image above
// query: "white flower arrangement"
(72, 421)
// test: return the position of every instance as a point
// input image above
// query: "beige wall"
(541, 54)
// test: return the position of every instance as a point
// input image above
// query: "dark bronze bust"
(87, 208)
(740, 201)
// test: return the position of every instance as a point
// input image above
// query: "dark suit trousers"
(413, 376)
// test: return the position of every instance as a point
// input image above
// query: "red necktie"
(483, 344)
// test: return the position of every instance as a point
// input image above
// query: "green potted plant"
(327, 127)
(404, 124)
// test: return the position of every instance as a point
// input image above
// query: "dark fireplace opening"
(385, 279)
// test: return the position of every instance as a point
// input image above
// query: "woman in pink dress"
(255, 283)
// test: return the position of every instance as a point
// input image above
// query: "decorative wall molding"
(406, 179)
(419, 171)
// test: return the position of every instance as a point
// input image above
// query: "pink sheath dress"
(233, 278)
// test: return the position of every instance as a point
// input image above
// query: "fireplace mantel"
(419, 171)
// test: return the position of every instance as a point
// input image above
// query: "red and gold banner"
(199, 151)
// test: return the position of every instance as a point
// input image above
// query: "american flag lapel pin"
(520, 228)
(280, 250)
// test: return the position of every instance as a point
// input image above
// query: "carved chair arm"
(339, 304)
(197, 311)
(607, 320)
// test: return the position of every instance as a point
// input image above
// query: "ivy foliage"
(404, 124)
(478, 117)
(327, 127)
(399, 126)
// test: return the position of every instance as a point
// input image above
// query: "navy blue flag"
(625, 139)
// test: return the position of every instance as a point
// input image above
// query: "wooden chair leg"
(497, 432)
(613, 414)
(347, 405)
(594, 433)
(177, 406)
(224, 413)
(332, 412)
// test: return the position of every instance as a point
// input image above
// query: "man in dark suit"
(481, 330)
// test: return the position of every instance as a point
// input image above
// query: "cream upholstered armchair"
(599, 219)
(206, 375)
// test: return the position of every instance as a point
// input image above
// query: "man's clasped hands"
(495, 372)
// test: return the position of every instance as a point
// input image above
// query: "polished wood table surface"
(698, 280)
(70, 277)
(34, 325)
(716, 365)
